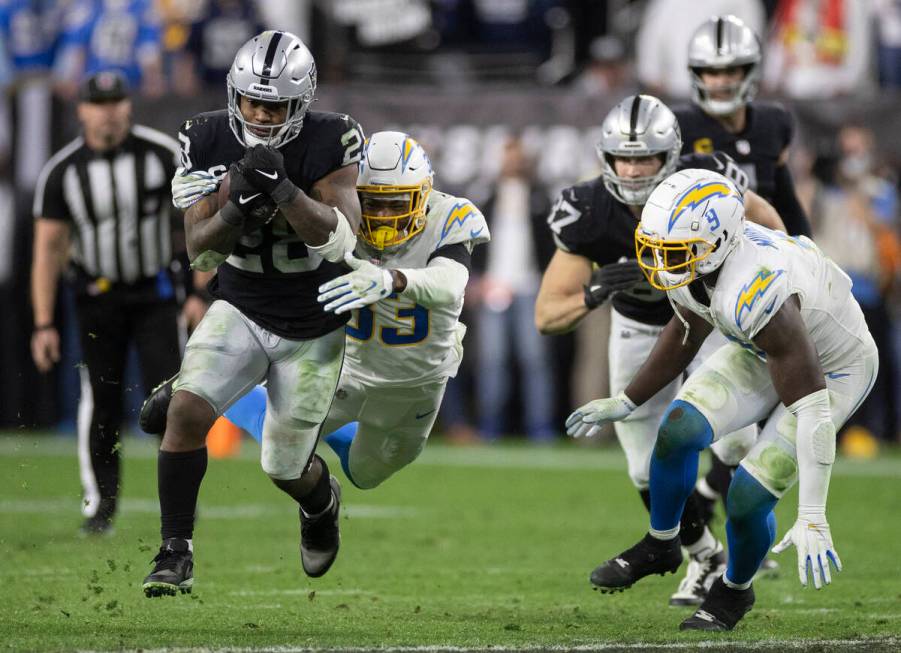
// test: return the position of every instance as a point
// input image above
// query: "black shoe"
(173, 571)
(153, 411)
(649, 556)
(722, 609)
(319, 536)
(98, 525)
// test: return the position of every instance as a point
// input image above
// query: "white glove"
(189, 187)
(588, 419)
(366, 285)
(812, 538)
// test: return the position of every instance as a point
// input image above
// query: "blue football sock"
(750, 525)
(340, 441)
(684, 433)
(249, 411)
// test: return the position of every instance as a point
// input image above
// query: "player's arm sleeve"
(337, 146)
(441, 283)
(786, 203)
(570, 223)
(759, 299)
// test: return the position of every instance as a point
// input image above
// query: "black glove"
(264, 168)
(609, 279)
(247, 207)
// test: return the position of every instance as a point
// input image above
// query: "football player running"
(800, 357)
(593, 223)
(290, 217)
(406, 293)
(724, 61)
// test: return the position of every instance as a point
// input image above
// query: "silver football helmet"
(724, 42)
(639, 126)
(275, 67)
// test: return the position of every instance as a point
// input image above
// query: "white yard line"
(885, 644)
(60, 505)
(439, 455)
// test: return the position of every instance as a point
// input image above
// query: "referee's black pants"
(108, 323)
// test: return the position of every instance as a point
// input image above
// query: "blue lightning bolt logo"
(753, 291)
(459, 213)
(695, 196)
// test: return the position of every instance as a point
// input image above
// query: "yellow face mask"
(670, 264)
(392, 214)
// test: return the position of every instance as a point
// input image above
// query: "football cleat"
(723, 608)
(153, 411)
(319, 535)
(649, 556)
(699, 576)
(173, 571)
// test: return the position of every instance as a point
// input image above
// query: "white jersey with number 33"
(396, 341)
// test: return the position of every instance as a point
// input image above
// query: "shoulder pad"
(457, 220)
(757, 299)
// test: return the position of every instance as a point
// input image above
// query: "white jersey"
(764, 270)
(396, 341)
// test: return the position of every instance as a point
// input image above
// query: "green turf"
(468, 548)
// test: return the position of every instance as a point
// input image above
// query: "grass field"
(467, 549)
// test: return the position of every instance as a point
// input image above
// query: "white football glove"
(812, 538)
(366, 285)
(588, 419)
(188, 188)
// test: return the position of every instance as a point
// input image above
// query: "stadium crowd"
(829, 60)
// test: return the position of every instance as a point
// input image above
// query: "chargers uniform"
(587, 220)
(266, 322)
(400, 354)
(733, 387)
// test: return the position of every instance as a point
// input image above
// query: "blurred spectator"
(666, 28)
(609, 71)
(819, 49)
(887, 15)
(856, 222)
(520, 249)
(121, 35)
(212, 43)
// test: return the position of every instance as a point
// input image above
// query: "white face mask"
(856, 166)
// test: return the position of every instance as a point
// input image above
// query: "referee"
(105, 200)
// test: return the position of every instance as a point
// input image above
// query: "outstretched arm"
(762, 212)
(801, 385)
(560, 305)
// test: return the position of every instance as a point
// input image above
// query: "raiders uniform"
(271, 276)
(733, 388)
(587, 220)
(267, 323)
(756, 150)
(400, 354)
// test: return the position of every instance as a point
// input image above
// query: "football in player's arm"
(278, 229)
(405, 290)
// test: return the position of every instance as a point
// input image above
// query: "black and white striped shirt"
(118, 202)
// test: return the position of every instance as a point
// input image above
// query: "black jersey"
(756, 149)
(587, 220)
(271, 276)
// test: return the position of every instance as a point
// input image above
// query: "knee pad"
(683, 427)
(747, 497)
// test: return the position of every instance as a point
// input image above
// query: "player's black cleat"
(319, 536)
(153, 411)
(723, 608)
(173, 571)
(649, 556)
